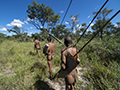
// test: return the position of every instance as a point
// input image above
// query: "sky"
(13, 12)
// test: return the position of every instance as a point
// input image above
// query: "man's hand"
(78, 61)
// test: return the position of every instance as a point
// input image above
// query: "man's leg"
(69, 82)
(50, 68)
(38, 53)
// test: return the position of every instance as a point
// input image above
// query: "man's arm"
(39, 45)
(78, 60)
(63, 60)
(34, 45)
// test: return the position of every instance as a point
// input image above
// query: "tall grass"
(22, 69)
(20, 65)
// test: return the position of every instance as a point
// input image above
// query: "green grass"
(22, 69)
(20, 65)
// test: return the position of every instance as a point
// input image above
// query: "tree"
(110, 29)
(2, 35)
(96, 26)
(40, 15)
(101, 19)
(89, 34)
(36, 35)
(74, 27)
(117, 32)
(60, 31)
(16, 30)
(19, 33)
(83, 27)
(118, 24)
(43, 36)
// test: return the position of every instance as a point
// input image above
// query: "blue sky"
(13, 12)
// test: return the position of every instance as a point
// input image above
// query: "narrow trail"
(59, 83)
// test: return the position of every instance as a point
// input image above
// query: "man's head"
(68, 41)
(35, 38)
(49, 39)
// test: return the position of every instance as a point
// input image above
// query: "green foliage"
(2, 35)
(16, 64)
(103, 63)
(60, 31)
(20, 34)
(101, 20)
(15, 29)
(21, 68)
(74, 27)
(41, 14)
(102, 77)
(1, 40)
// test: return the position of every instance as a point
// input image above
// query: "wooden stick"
(52, 36)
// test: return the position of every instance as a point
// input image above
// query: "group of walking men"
(67, 57)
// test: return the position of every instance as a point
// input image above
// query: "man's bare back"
(50, 54)
(37, 46)
(51, 51)
(67, 61)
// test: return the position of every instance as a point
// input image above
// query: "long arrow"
(98, 31)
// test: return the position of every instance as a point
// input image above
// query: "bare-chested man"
(37, 46)
(50, 54)
(66, 57)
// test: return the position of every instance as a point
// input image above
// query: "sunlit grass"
(21, 68)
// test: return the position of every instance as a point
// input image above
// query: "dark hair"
(67, 41)
(35, 37)
(49, 39)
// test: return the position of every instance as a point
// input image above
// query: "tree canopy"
(40, 14)
(101, 20)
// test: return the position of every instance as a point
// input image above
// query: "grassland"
(22, 69)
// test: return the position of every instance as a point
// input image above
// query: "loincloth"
(75, 77)
(37, 47)
(50, 57)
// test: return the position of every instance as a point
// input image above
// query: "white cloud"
(72, 18)
(91, 23)
(31, 32)
(15, 22)
(41, 26)
(62, 11)
(26, 22)
(31, 27)
(89, 30)
(28, 19)
(115, 25)
(78, 26)
(10, 34)
(97, 7)
(3, 29)
(88, 16)
(66, 22)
